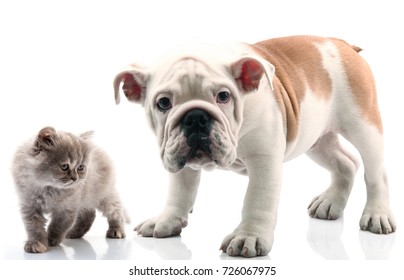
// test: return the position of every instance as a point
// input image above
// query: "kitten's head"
(62, 157)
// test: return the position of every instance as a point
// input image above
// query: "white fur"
(256, 144)
(314, 122)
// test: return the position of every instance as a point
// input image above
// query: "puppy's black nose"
(196, 121)
(196, 126)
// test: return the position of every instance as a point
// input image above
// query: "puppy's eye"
(64, 167)
(81, 168)
(223, 97)
(164, 104)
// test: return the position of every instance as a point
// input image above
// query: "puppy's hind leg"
(377, 216)
(329, 153)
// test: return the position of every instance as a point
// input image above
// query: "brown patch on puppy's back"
(361, 82)
(298, 67)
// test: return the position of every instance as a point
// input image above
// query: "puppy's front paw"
(378, 220)
(35, 246)
(247, 244)
(162, 226)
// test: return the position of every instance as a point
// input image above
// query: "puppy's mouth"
(199, 149)
(198, 140)
(196, 125)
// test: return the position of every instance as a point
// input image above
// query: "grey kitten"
(68, 177)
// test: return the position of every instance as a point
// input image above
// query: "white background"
(57, 63)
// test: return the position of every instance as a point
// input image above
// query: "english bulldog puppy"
(251, 107)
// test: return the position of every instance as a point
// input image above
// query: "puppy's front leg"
(254, 235)
(181, 198)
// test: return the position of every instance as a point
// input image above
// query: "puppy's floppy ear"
(134, 79)
(248, 72)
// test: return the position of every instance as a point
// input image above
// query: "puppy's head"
(194, 104)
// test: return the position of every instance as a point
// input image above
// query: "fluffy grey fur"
(68, 177)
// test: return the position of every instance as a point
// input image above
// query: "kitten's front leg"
(34, 223)
(61, 222)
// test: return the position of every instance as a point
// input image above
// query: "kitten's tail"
(126, 216)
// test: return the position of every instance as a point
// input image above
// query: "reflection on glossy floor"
(324, 239)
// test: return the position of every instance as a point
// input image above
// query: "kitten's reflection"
(53, 253)
(118, 249)
(81, 249)
(171, 248)
(324, 238)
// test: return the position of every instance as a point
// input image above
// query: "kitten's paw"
(116, 233)
(54, 241)
(162, 226)
(246, 244)
(35, 247)
(74, 235)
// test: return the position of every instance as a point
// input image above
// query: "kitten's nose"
(73, 176)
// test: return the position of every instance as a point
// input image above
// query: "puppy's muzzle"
(196, 125)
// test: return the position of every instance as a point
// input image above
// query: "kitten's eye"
(81, 167)
(223, 97)
(64, 167)
(164, 104)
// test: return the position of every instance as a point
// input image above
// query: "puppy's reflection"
(226, 257)
(171, 248)
(376, 246)
(324, 238)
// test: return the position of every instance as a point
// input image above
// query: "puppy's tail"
(355, 48)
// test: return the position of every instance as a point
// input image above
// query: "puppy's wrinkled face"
(196, 111)
(195, 106)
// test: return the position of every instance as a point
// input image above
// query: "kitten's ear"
(46, 137)
(88, 135)
(134, 80)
